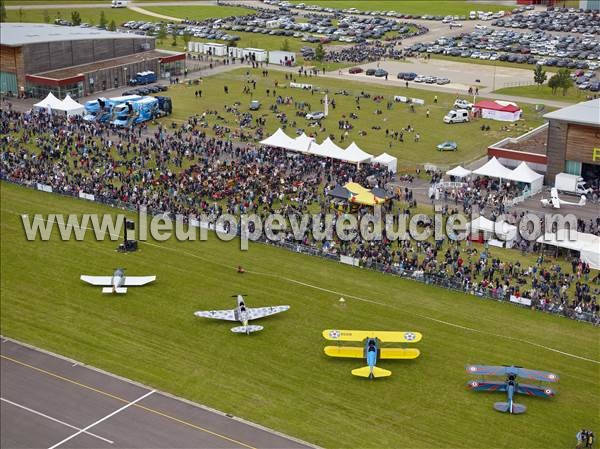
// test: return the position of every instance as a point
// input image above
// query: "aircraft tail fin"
(120, 290)
(504, 407)
(365, 371)
(246, 329)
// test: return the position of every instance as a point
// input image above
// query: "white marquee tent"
(70, 107)
(280, 140)
(523, 173)
(354, 154)
(493, 169)
(50, 102)
(504, 231)
(385, 159)
(588, 245)
(303, 143)
(458, 172)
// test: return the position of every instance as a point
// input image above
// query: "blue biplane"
(511, 385)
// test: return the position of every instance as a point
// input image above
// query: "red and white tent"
(503, 111)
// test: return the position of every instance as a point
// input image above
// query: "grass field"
(514, 65)
(471, 140)
(89, 15)
(420, 7)
(280, 377)
(573, 94)
(199, 12)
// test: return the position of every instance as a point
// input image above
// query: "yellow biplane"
(372, 349)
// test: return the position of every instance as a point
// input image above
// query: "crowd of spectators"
(185, 171)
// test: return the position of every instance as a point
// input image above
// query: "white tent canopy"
(458, 172)
(588, 245)
(493, 169)
(280, 140)
(504, 231)
(354, 154)
(523, 173)
(49, 102)
(70, 106)
(385, 159)
(330, 149)
(303, 143)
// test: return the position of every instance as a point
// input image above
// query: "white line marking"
(102, 419)
(35, 412)
(507, 337)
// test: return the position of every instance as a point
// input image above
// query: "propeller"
(239, 294)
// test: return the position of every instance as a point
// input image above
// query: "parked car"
(315, 116)
(380, 73)
(354, 70)
(370, 72)
(447, 146)
(463, 104)
(457, 116)
(254, 105)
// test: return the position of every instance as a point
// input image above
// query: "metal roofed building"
(573, 144)
(33, 56)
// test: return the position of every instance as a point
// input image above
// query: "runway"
(51, 402)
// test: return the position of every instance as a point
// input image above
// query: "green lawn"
(514, 65)
(420, 7)
(573, 94)
(472, 142)
(280, 377)
(89, 15)
(199, 12)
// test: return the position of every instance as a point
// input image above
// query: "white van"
(457, 116)
(119, 4)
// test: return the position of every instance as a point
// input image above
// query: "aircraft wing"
(476, 385)
(535, 390)
(487, 370)
(132, 281)
(399, 353)
(383, 336)
(227, 315)
(96, 280)
(345, 351)
(261, 312)
(543, 376)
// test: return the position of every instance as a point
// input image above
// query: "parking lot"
(461, 74)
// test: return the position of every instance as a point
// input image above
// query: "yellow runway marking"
(104, 393)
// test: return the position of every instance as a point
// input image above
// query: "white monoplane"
(118, 282)
(556, 202)
(242, 314)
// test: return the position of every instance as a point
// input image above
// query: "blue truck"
(142, 78)
(135, 111)
(101, 110)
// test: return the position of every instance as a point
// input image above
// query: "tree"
(539, 75)
(2, 11)
(285, 45)
(21, 14)
(162, 33)
(553, 83)
(561, 80)
(174, 36)
(186, 38)
(112, 26)
(103, 21)
(319, 53)
(75, 18)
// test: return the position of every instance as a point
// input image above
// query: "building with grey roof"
(573, 144)
(40, 58)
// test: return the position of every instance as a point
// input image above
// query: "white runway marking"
(346, 295)
(43, 415)
(84, 430)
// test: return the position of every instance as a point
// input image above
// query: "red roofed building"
(497, 110)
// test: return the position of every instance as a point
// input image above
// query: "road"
(48, 402)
